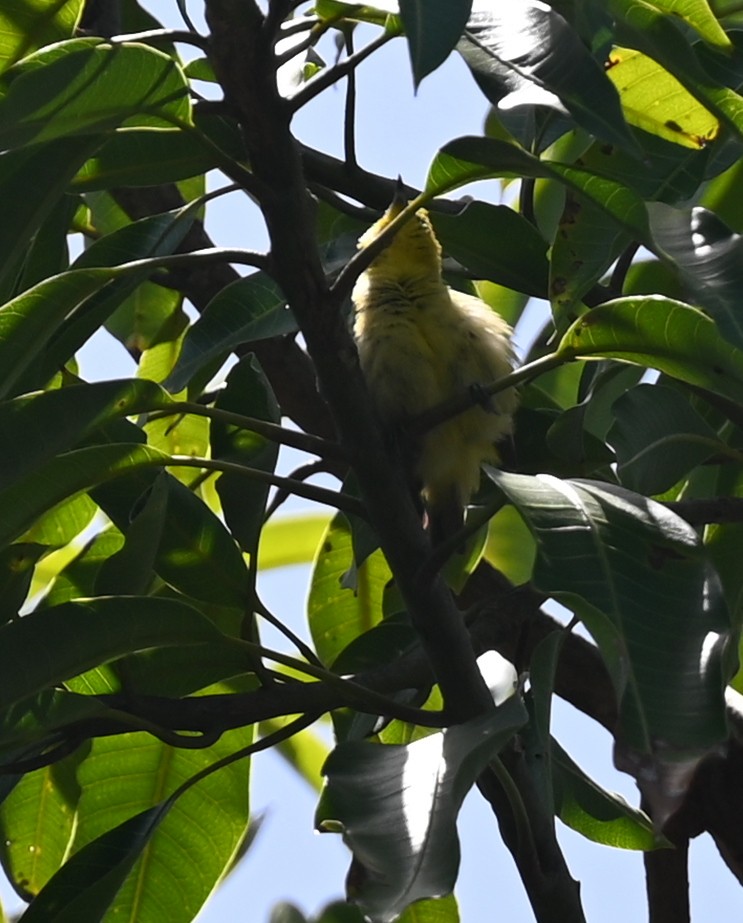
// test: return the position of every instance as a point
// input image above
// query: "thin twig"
(332, 75)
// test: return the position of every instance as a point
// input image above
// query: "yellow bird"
(421, 343)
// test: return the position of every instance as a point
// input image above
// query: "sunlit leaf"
(654, 100)
(338, 613)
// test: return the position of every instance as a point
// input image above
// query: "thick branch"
(243, 63)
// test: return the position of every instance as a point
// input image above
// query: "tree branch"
(243, 64)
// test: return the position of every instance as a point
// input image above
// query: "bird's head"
(412, 253)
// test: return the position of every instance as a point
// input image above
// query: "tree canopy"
(137, 514)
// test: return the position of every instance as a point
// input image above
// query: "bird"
(420, 343)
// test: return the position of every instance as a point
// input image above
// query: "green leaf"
(529, 54)
(67, 475)
(35, 428)
(697, 13)
(586, 244)
(79, 578)
(38, 821)
(432, 30)
(247, 392)
(643, 26)
(291, 540)
(26, 25)
(601, 816)
(196, 554)
(658, 438)
(661, 333)
(191, 848)
(337, 614)
(17, 564)
(640, 580)
(28, 322)
(31, 184)
(86, 885)
(141, 157)
(85, 86)
(249, 309)
(707, 255)
(74, 637)
(467, 159)
(654, 100)
(397, 808)
(519, 261)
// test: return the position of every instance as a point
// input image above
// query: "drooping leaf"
(247, 392)
(432, 30)
(397, 806)
(599, 815)
(31, 184)
(585, 246)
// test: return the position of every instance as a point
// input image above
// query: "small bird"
(420, 343)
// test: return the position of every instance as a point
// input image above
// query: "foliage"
(137, 514)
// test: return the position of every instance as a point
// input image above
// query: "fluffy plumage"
(420, 343)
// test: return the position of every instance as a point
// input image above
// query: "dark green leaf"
(249, 309)
(529, 54)
(35, 428)
(432, 29)
(31, 183)
(658, 438)
(17, 564)
(601, 816)
(639, 578)
(397, 808)
(586, 244)
(467, 159)
(28, 322)
(248, 392)
(85, 86)
(69, 639)
(147, 158)
(709, 259)
(494, 242)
